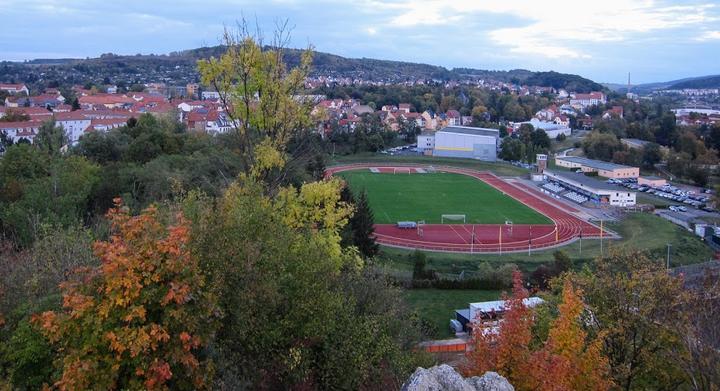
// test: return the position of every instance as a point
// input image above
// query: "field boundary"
(487, 238)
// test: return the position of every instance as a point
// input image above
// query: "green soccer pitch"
(416, 197)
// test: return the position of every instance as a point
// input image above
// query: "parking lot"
(685, 198)
(403, 150)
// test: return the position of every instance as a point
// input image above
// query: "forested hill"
(373, 69)
(179, 67)
(702, 82)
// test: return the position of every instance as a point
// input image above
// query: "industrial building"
(604, 169)
(584, 189)
(461, 142)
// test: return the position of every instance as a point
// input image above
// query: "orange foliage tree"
(567, 360)
(139, 319)
(503, 348)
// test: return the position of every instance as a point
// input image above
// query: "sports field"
(415, 197)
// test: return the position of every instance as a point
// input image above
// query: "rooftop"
(471, 130)
(598, 164)
(586, 181)
(499, 305)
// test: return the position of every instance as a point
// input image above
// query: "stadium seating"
(573, 196)
(553, 187)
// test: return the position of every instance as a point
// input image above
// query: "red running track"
(486, 238)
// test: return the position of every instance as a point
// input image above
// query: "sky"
(653, 40)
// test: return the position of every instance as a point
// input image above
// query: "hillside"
(688, 82)
(179, 67)
(702, 82)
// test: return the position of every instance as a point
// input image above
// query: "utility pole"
(529, 239)
(668, 256)
(601, 238)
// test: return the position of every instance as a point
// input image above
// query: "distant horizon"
(373, 58)
(654, 40)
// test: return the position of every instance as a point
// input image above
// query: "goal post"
(402, 170)
(452, 218)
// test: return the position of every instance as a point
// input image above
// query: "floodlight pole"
(529, 239)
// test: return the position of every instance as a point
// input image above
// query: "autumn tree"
(636, 307)
(568, 360)
(507, 350)
(259, 94)
(138, 320)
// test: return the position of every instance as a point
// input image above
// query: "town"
(406, 196)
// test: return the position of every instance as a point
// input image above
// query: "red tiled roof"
(21, 124)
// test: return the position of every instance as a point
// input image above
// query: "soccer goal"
(402, 170)
(452, 218)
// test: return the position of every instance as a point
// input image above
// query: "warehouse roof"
(597, 164)
(471, 130)
(586, 181)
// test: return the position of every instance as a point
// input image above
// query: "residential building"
(14, 88)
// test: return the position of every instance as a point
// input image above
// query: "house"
(562, 120)
(75, 123)
(192, 89)
(429, 120)
(362, 109)
(404, 107)
(105, 101)
(583, 101)
(209, 95)
(14, 89)
(47, 100)
(615, 112)
(453, 118)
(389, 108)
(17, 131)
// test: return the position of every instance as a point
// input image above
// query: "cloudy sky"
(601, 39)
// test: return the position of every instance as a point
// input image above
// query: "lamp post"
(668, 256)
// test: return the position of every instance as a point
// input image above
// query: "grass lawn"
(498, 168)
(415, 197)
(438, 306)
(639, 231)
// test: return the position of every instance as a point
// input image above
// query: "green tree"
(51, 138)
(651, 155)
(362, 225)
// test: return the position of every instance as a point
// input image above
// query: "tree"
(562, 262)
(651, 155)
(290, 317)
(362, 225)
(14, 116)
(419, 261)
(568, 361)
(636, 308)
(507, 351)
(258, 93)
(138, 320)
(512, 149)
(51, 138)
(601, 145)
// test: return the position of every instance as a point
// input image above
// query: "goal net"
(452, 218)
(402, 170)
